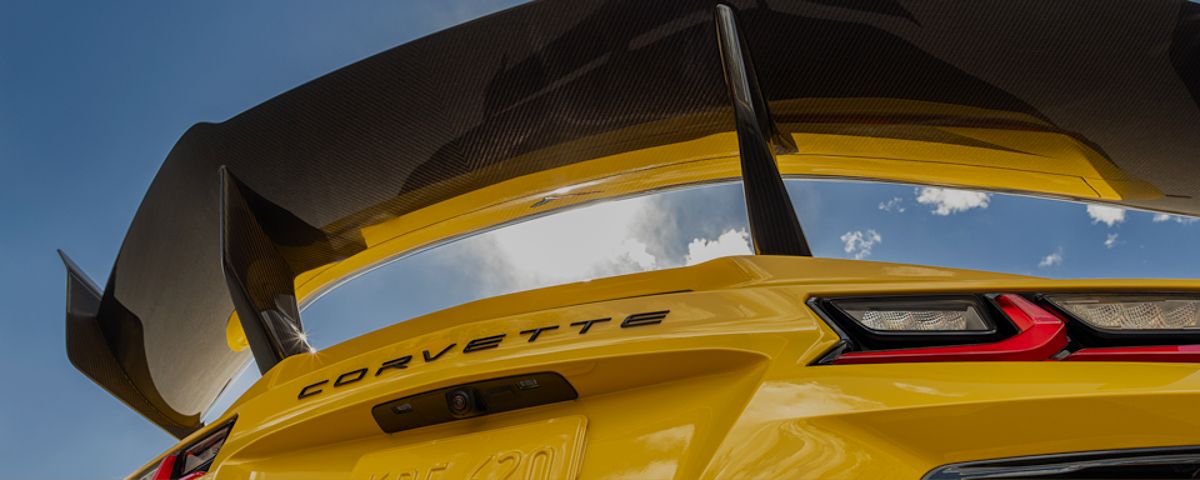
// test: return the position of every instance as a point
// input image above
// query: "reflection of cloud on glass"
(896, 204)
(732, 242)
(1052, 260)
(1107, 215)
(577, 244)
(947, 201)
(684, 215)
(859, 243)
(1165, 217)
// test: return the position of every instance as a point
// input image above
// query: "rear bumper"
(723, 386)
(733, 417)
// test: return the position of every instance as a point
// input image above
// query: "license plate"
(544, 450)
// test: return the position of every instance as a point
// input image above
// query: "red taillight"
(1040, 335)
(193, 461)
(196, 458)
(165, 468)
(1130, 327)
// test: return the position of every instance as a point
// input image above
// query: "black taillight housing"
(847, 315)
(1077, 326)
(193, 460)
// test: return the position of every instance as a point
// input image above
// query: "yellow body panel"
(722, 388)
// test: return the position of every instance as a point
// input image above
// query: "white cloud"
(893, 205)
(859, 243)
(948, 201)
(580, 244)
(1163, 217)
(732, 242)
(1111, 241)
(1052, 260)
(1107, 215)
(573, 245)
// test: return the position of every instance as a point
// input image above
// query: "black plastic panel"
(478, 398)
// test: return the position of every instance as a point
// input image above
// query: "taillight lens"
(193, 461)
(944, 315)
(1039, 335)
(907, 322)
(198, 457)
(1132, 312)
(160, 472)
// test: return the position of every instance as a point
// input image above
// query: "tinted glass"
(650, 232)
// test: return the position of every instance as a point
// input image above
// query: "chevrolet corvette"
(777, 364)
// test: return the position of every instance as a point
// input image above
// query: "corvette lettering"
(475, 345)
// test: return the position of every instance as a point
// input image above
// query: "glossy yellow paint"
(948, 145)
(722, 388)
(994, 163)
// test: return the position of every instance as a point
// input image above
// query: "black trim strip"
(1161, 462)
(774, 227)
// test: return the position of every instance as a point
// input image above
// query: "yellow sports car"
(775, 364)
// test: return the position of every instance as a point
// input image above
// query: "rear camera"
(463, 402)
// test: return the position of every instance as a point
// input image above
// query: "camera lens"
(462, 402)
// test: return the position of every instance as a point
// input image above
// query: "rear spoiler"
(105, 340)
(106, 346)
(264, 247)
(241, 208)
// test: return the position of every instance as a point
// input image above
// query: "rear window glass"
(660, 230)
(996, 232)
(861, 220)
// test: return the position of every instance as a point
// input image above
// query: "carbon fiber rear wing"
(107, 347)
(240, 208)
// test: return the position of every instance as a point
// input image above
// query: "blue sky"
(92, 97)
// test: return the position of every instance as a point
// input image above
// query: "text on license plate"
(543, 450)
